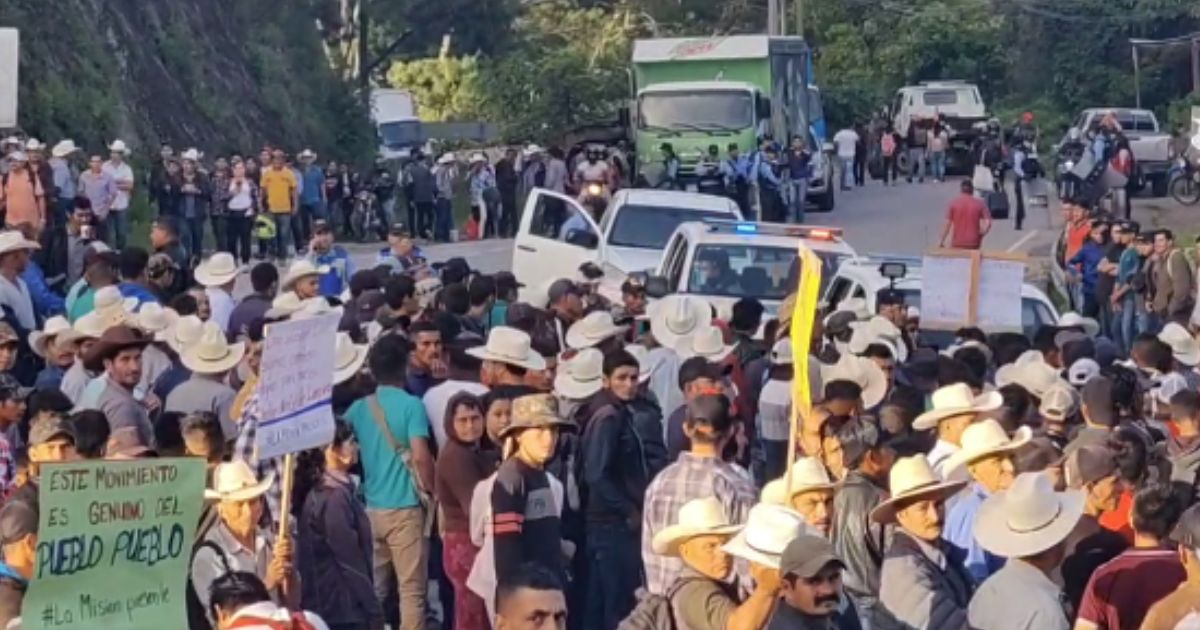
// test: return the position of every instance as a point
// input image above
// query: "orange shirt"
(1077, 235)
(1118, 519)
(23, 199)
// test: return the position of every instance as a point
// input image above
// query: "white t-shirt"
(221, 304)
(846, 140)
(240, 197)
(119, 173)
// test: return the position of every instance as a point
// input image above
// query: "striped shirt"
(690, 477)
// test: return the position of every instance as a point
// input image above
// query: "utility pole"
(773, 21)
(800, 18)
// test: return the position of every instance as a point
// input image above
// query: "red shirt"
(1122, 590)
(1118, 519)
(1077, 233)
(964, 215)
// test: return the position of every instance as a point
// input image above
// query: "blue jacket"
(1088, 258)
(46, 302)
(340, 269)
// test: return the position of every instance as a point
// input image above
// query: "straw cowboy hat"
(698, 517)
(535, 411)
(213, 354)
(235, 481)
(1183, 345)
(301, 269)
(92, 325)
(307, 154)
(348, 358)
(477, 158)
(1028, 518)
(156, 319)
(510, 346)
(184, 332)
(859, 370)
(284, 305)
(1071, 319)
(594, 328)
(33, 144)
(109, 303)
(808, 474)
(217, 270)
(645, 366)
(118, 146)
(767, 532)
(708, 342)
(56, 327)
(447, 158)
(580, 376)
(190, 155)
(14, 241)
(956, 400)
(533, 149)
(878, 329)
(316, 307)
(677, 317)
(1031, 372)
(984, 439)
(913, 478)
(114, 340)
(64, 148)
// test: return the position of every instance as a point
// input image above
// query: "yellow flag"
(803, 316)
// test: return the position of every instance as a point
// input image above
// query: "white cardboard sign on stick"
(296, 385)
(999, 306)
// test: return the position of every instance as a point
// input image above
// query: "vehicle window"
(860, 292)
(815, 109)
(712, 110)
(1143, 121)
(898, 104)
(649, 227)
(400, 134)
(837, 291)
(939, 97)
(763, 272)
(1125, 119)
(558, 220)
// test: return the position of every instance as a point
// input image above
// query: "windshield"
(649, 227)
(940, 97)
(400, 134)
(706, 111)
(762, 272)
(1034, 315)
(815, 110)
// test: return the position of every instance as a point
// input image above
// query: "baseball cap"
(368, 305)
(561, 288)
(1089, 463)
(1187, 529)
(1098, 398)
(48, 428)
(806, 555)
(1082, 370)
(7, 334)
(397, 229)
(1058, 403)
(160, 264)
(700, 367)
(320, 226)
(18, 519)
(1144, 237)
(11, 388)
(455, 270)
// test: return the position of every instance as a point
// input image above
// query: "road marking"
(1024, 239)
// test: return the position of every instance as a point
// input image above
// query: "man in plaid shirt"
(698, 473)
(244, 448)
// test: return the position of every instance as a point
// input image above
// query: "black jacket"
(858, 541)
(615, 466)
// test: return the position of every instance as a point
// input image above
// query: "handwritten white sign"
(945, 291)
(295, 386)
(999, 298)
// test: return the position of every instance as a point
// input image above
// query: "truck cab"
(957, 102)
(1153, 150)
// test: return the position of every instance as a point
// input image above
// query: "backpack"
(888, 144)
(653, 612)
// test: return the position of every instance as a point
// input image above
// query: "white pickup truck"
(1152, 148)
(557, 234)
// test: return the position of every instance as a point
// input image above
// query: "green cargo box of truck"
(693, 93)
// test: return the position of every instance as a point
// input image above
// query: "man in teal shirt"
(1127, 307)
(386, 423)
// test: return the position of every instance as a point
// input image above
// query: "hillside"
(215, 74)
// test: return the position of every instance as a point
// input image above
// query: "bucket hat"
(535, 411)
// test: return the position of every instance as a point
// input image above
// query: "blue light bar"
(746, 228)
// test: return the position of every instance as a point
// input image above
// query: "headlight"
(1069, 164)
(594, 189)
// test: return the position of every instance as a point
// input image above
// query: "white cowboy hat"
(307, 154)
(594, 328)
(10, 140)
(447, 158)
(477, 157)
(33, 144)
(348, 358)
(1071, 319)
(956, 400)
(708, 342)
(284, 305)
(212, 353)
(1167, 386)
(217, 270)
(64, 148)
(118, 146)
(300, 269)
(55, 327)
(184, 332)
(677, 317)
(108, 302)
(1028, 518)
(18, 156)
(510, 346)
(316, 307)
(913, 477)
(808, 474)
(985, 438)
(878, 329)
(698, 517)
(781, 352)
(642, 355)
(190, 155)
(859, 370)
(1031, 372)
(1183, 345)
(533, 149)
(580, 376)
(768, 530)
(14, 241)
(156, 319)
(92, 325)
(235, 481)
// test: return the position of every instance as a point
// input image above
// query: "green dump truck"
(693, 93)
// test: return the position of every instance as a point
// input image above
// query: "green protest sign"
(114, 543)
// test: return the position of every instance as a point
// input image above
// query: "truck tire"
(902, 161)
(1158, 185)
(825, 202)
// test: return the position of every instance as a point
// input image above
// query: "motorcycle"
(594, 196)
(364, 218)
(1185, 182)
(1065, 180)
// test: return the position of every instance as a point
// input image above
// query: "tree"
(445, 88)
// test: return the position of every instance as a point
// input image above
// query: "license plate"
(692, 188)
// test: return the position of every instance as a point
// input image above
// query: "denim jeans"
(614, 574)
(283, 234)
(937, 164)
(191, 235)
(797, 198)
(916, 163)
(118, 227)
(1147, 322)
(847, 172)
(1125, 322)
(443, 221)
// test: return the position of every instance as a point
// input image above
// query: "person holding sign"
(967, 220)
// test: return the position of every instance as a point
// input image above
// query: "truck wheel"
(1158, 185)
(902, 162)
(825, 202)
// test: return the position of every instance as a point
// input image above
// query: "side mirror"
(583, 238)
(657, 287)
